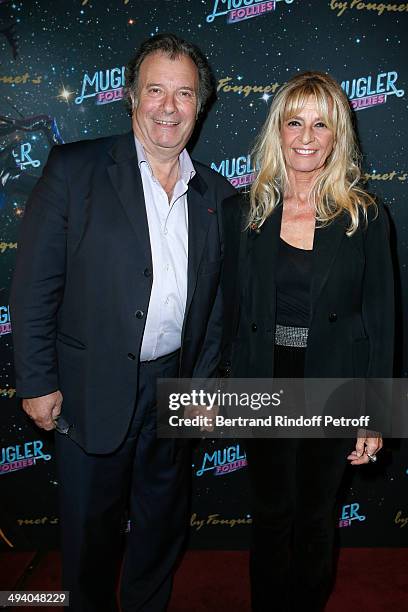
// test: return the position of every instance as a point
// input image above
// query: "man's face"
(165, 111)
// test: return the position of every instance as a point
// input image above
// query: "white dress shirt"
(168, 230)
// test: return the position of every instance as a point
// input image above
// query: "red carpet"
(368, 580)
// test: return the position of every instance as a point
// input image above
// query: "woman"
(312, 296)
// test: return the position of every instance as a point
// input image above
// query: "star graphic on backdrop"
(65, 94)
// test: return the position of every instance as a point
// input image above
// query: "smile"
(305, 151)
(170, 123)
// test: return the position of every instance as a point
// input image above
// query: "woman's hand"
(368, 444)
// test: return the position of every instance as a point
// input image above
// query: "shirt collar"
(187, 170)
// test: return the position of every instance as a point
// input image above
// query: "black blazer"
(82, 285)
(351, 330)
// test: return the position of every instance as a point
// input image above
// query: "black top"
(293, 285)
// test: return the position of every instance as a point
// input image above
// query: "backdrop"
(61, 79)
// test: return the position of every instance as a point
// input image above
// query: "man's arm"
(44, 410)
(209, 357)
(37, 290)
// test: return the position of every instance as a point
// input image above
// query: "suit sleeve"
(378, 297)
(38, 281)
(209, 357)
(210, 353)
(379, 321)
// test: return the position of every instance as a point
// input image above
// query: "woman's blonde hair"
(337, 187)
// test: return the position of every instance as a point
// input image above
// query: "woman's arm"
(379, 320)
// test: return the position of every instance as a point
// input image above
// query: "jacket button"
(131, 356)
(228, 364)
(139, 314)
(254, 327)
(147, 272)
(227, 372)
(332, 317)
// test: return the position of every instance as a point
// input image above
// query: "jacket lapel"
(263, 253)
(127, 181)
(263, 250)
(327, 241)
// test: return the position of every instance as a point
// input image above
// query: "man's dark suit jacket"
(83, 279)
(351, 330)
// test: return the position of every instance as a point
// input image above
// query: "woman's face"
(306, 140)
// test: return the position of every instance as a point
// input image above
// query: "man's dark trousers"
(144, 476)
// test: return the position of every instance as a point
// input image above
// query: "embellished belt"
(291, 336)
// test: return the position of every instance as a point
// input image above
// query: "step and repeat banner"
(61, 80)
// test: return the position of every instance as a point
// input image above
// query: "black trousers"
(294, 483)
(145, 480)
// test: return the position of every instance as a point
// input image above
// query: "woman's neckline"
(292, 246)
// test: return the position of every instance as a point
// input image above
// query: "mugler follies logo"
(223, 461)
(239, 10)
(20, 456)
(23, 156)
(372, 90)
(349, 514)
(5, 322)
(104, 85)
(238, 170)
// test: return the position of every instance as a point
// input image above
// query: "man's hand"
(366, 446)
(202, 411)
(43, 410)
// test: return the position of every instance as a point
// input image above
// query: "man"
(116, 285)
